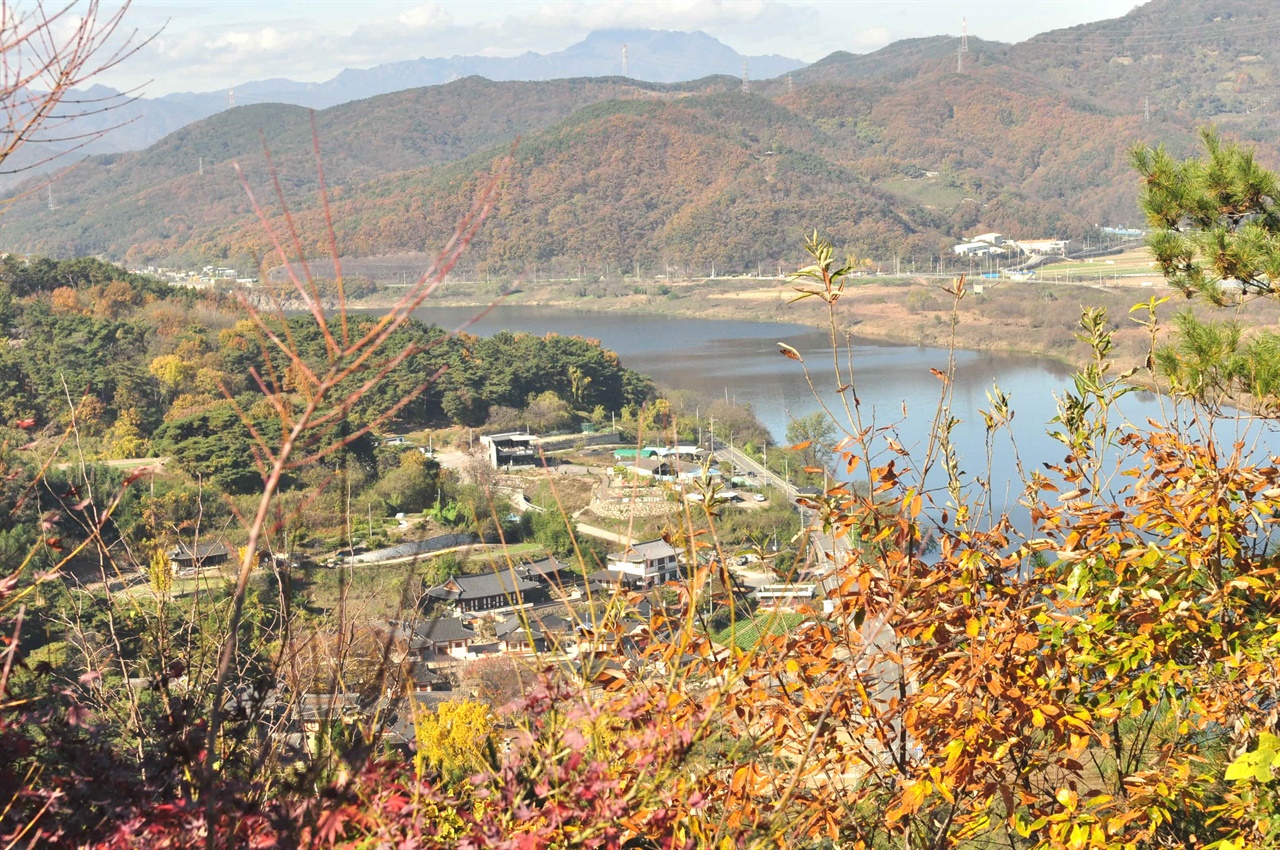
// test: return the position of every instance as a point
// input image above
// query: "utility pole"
(964, 45)
(746, 81)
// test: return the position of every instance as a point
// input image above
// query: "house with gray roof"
(532, 632)
(548, 571)
(442, 636)
(645, 564)
(185, 557)
(501, 588)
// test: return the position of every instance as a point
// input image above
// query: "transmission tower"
(626, 72)
(746, 81)
(52, 205)
(791, 85)
(231, 97)
(1146, 110)
(964, 45)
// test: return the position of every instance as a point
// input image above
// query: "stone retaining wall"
(621, 509)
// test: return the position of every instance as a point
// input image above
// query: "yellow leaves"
(172, 371)
(910, 802)
(453, 736)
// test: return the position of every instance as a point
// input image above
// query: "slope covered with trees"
(610, 174)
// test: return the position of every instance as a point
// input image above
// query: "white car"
(759, 497)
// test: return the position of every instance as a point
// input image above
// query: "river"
(716, 358)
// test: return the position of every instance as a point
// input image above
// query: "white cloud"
(871, 39)
(215, 45)
(429, 16)
(655, 14)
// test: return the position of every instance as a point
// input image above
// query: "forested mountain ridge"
(894, 153)
(660, 56)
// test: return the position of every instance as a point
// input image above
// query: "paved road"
(828, 545)
(722, 451)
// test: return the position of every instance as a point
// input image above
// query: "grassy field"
(925, 191)
(1104, 269)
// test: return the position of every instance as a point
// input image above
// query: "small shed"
(184, 557)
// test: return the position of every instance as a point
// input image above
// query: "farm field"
(1136, 262)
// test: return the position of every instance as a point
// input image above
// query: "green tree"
(1215, 235)
(1214, 219)
(815, 434)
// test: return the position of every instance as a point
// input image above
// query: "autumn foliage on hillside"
(1104, 678)
(614, 178)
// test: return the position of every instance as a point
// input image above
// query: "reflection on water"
(894, 384)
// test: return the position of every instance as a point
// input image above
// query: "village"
(482, 632)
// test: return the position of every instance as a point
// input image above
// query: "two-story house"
(645, 564)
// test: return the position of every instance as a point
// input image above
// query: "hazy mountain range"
(894, 152)
(652, 55)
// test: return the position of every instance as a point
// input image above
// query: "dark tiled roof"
(183, 552)
(552, 624)
(423, 676)
(610, 577)
(322, 706)
(515, 625)
(499, 583)
(546, 567)
(539, 624)
(442, 630)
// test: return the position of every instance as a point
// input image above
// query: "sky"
(211, 45)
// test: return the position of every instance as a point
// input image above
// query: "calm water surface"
(894, 383)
